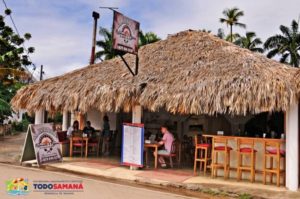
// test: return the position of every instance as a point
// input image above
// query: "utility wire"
(17, 31)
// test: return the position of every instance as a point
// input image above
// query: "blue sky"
(62, 29)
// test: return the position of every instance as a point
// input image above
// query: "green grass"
(245, 196)
(225, 194)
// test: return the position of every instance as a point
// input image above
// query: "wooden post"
(81, 120)
(137, 114)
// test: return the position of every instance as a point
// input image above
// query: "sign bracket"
(129, 68)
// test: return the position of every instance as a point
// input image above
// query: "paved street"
(92, 188)
(11, 148)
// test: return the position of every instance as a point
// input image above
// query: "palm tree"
(231, 19)
(147, 38)
(228, 37)
(105, 44)
(286, 44)
(250, 41)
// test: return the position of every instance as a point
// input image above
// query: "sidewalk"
(176, 178)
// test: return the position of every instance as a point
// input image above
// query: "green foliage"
(57, 118)
(232, 16)
(6, 93)
(286, 44)
(147, 38)
(228, 37)
(7, 11)
(105, 44)
(13, 58)
(250, 41)
(245, 196)
(21, 126)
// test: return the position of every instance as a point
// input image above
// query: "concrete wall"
(96, 119)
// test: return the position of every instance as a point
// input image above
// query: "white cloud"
(62, 30)
(263, 17)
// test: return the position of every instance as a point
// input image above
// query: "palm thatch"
(190, 72)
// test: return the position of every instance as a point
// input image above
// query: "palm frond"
(240, 25)
(272, 53)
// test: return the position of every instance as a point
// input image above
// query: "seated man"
(166, 141)
(88, 129)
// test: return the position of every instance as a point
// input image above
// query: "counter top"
(240, 137)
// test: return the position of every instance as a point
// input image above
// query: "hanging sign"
(132, 145)
(41, 144)
(125, 33)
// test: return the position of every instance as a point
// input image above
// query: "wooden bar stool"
(245, 147)
(273, 152)
(219, 145)
(203, 157)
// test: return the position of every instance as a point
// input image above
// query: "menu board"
(42, 144)
(132, 145)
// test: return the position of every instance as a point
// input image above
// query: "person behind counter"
(74, 127)
(106, 134)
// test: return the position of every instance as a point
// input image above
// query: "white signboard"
(133, 145)
(42, 144)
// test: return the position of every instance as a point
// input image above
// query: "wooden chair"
(204, 155)
(187, 151)
(219, 146)
(174, 153)
(64, 142)
(273, 153)
(94, 145)
(245, 147)
(76, 141)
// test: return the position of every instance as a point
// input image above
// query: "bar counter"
(259, 146)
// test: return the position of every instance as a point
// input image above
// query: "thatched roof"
(189, 73)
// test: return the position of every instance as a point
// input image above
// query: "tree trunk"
(231, 33)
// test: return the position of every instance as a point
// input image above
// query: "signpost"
(126, 37)
(132, 145)
(41, 144)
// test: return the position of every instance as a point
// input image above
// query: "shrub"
(20, 126)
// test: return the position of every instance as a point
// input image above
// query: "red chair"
(77, 144)
(94, 145)
(64, 142)
(175, 152)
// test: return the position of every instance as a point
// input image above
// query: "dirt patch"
(11, 148)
